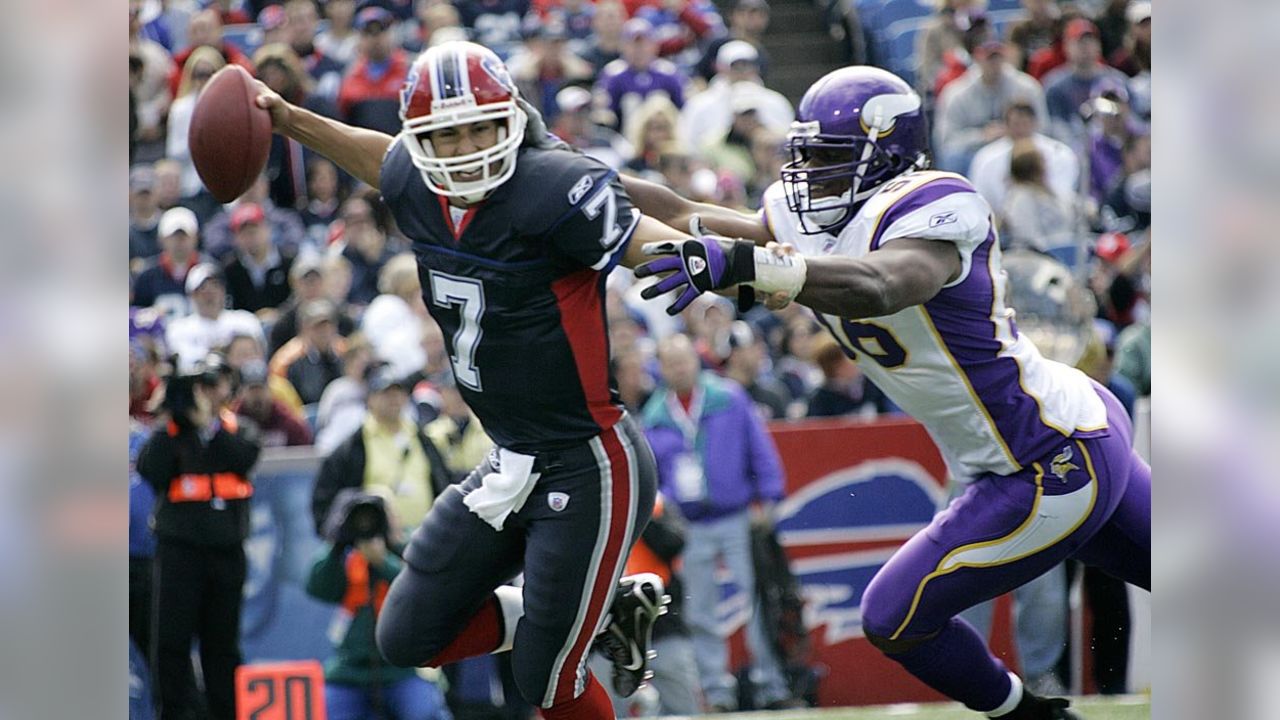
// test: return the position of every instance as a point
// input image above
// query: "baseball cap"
(1079, 28)
(305, 264)
(253, 372)
(316, 311)
(1137, 12)
(736, 51)
(381, 378)
(573, 98)
(141, 178)
(741, 335)
(371, 15)
(636, 28)
(177, 219)
(271, 17)
(200, 274)
(246, 213)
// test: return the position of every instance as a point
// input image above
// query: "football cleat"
(637, 604)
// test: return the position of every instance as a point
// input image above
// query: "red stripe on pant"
(610, 564)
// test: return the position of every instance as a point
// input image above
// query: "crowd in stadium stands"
(305, 284)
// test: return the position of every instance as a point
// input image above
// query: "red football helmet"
(456, 83)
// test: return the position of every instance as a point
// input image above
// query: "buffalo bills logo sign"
(494, 68)
(409, 87)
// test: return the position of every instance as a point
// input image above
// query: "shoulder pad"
(553, 182)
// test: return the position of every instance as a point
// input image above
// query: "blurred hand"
(762, 514)
(374, 550)
(281, 111)
(993, 131)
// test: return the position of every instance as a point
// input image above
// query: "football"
(230, 136)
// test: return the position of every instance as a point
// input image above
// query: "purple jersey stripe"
(971, 340)
(931, 191)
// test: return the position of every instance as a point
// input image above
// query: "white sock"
(511, 604)
(1011, 702)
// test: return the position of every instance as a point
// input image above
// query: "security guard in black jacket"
(198, 461)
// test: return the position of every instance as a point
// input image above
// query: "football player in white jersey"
(902, 265)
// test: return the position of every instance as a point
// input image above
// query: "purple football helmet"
(856, 128)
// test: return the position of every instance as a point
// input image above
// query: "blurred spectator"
(205, 29)
(1110, 127)
(301, 25)
(272, 20)
(1112, 21)
(211, 325)
(457, 433)
(281, 70)
(768, 154)
(370, 92)
(287, 231)
(606, 34)
(393, 321)
(168, 191)
(747, 22)
(197, 460)
(577, 17)
(1036, 30)
(942, 33)
(1133, 356)
(1128, 208)
(679, 25)
(1033, 215)
(795, 368)
(970, 111)
(201, 63)
(546, 66)
(627, 82)
(1068, 87)
(144, 383)
(366, 249)
(388, 455)
(277, 424)
(244, 350)
(676, 170)
(651, 129)
(339, 40)
(341, 408)
(957, 61)
(1098, 362)
(574, 125)
(1134, 55)
(354, 568)
(258, 274)
(151, 91)
(844, 390)
(163, 282)
(493, 22)
(715, 460)
(736, 88)
(307, 283)
(313, 359)
(142, 544)
(745, 365)
(231, 12)
(989, 170)
(144, 215)
(323, 198)
(430, 18)
(635, 385)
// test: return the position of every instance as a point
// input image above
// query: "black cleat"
(639, 601)
(1033, 707)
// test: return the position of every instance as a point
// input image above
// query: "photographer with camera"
(354, 569)
(198, 460)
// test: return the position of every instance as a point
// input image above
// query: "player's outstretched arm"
(662, 204)
(649, 230)
(359, 151)
(905, 272)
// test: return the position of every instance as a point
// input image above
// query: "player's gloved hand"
(699, 265)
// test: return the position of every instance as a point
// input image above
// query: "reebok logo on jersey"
(558, 501)
(580, 189)
(945, 218)
(697, 265)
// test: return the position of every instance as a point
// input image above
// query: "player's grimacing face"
(824, 157)
(460, 140)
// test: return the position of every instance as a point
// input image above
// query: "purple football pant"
(1089, 499)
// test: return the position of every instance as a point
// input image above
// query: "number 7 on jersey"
(468, 293)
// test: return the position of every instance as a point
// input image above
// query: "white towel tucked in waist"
(503, 492)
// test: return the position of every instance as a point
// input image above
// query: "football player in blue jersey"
(514, 234)
(902, 265)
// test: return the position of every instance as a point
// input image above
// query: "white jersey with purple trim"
(989, 399)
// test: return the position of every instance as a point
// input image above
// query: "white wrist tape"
(779, 274)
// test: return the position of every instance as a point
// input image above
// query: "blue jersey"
(517, 285)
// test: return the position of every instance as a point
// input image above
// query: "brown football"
(230, 136)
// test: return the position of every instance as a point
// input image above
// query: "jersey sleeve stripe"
(930, 192)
